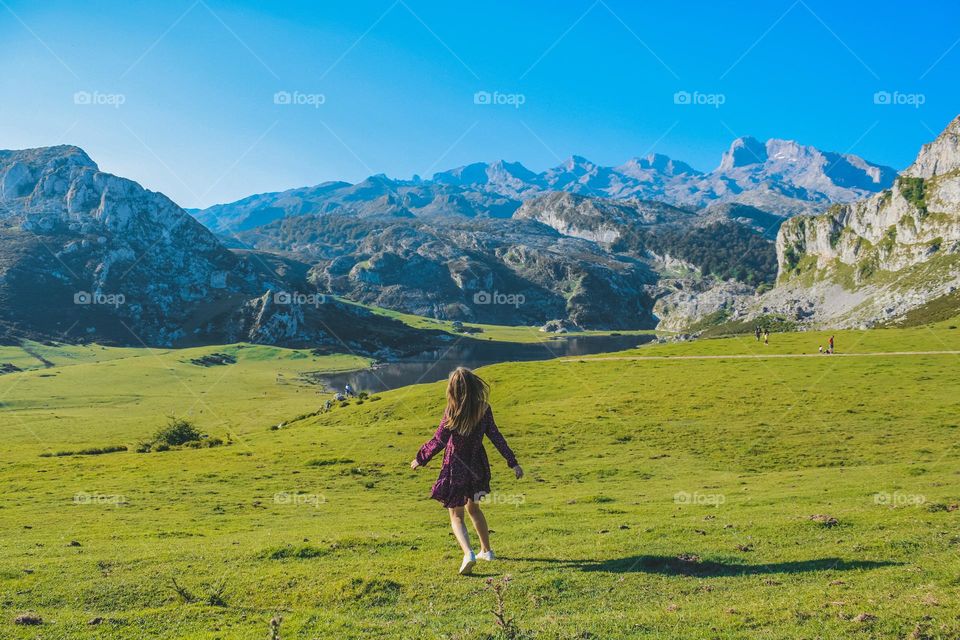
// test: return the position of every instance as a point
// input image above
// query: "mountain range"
(778, 228)
(781, 177)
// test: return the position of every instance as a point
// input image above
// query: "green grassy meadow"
(503, 333)
(674, 497)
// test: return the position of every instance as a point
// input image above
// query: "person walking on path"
(465, 473)
(831, 344)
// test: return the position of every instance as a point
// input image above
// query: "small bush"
(177, 432)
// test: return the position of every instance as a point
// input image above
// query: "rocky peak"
(41, 173)
(940, 156)
(656, 162)
(743, 152)
(474, 173)
(578, 165)
(514, 171)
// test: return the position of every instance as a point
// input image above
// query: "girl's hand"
(414, 464)
(518, 471)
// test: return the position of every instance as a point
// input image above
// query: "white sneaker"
(468, 561)
(487, 555)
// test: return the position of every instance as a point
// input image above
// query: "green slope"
(664, 499)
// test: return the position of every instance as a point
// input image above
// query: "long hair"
(467, 396)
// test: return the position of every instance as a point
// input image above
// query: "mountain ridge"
(779, 176)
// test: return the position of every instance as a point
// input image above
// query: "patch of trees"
(724, 249)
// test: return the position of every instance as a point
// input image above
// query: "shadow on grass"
(678, 567)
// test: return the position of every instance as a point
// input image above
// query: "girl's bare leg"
(460, 529)
(480, 524)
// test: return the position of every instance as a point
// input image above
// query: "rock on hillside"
(597, 219)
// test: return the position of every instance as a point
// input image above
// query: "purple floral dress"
(465, 474)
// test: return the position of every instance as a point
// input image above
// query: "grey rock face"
(484, 270)
(85, 255)
(686, 301)
(940, 157)
(597, 219)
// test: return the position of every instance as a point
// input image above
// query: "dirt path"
(749, 356)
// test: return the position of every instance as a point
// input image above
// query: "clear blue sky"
(197, 80)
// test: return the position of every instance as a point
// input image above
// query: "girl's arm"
(498, 440)
(434, 445)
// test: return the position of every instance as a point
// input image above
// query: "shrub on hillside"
(177, 432)
(180, 434)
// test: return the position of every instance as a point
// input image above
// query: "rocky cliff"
(86, 255)
(878, 257)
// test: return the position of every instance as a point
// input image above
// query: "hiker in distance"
(465, 474)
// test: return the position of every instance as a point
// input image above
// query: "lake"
(431, 366)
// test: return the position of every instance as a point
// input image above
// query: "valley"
(481, 321)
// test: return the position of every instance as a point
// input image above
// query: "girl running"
(465, 474)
